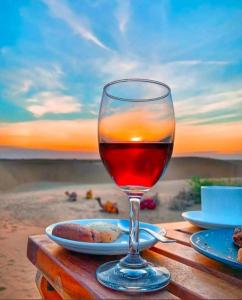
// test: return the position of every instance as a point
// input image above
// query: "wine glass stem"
(133, 258)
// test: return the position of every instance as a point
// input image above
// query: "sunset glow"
(50, 92)
(82, 136)
(136, 139)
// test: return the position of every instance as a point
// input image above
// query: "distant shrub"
(196, 183)
(187, 198)
(182, 200)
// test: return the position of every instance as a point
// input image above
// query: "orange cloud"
(142, 124)
(221, 138)
(81, 135)
(74, 135)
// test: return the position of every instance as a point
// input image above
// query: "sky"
(56, 55)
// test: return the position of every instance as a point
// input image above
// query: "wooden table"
(64, 274)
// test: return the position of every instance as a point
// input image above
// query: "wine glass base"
(117, 277)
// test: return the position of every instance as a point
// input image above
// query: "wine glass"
(136, 131)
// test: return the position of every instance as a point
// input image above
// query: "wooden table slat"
(76, 272)
(188, 256)
(196, 282)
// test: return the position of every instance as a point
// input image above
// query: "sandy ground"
(28, 205)
(29, 208)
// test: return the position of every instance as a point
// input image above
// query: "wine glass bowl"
(134, 165)
(136, 132)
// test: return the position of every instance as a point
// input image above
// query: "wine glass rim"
(106, 86)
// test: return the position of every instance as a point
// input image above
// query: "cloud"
(61, 10)
(50, 102)
(116, 66)
(210, 107)
(20, 81)
(46, 77)
(67, 135)
(173, 73)
(40, 90)
(123, 15)
(185, 78)
(92, 106)
(25, 86)
(201, 62)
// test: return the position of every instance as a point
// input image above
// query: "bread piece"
(240, 255)
(237, 236)
(98, 232)
(108, 232)
(77, 232)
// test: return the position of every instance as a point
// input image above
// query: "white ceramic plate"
(198, 218)
(119, 246)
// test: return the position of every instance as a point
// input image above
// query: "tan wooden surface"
(194, 276)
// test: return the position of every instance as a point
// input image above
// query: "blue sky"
(56, 55)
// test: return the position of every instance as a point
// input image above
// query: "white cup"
(222, 201)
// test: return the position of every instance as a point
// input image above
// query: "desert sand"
(32, 197)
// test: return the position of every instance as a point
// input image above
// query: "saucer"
(218, 245)
(200, 219)
(119, 246)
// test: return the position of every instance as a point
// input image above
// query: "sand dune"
(32, 197)
(15, 172)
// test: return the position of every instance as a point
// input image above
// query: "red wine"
(136, 163)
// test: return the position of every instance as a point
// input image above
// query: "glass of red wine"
(136, 132)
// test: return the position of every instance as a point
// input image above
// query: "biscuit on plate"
(108, 232)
